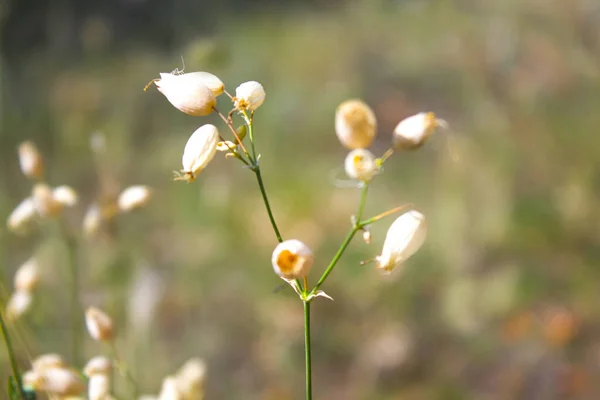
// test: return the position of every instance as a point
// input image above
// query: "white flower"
(361, 164)
(19, 303)
(98, 365)
(61, 382)
(169, 389)
(190, 379)
(99, 387)
(44, 201)
(30, 160)
(199, 150)
(22, 215)
(413, 131)
(355, 124)
(65, 195)
(99, 325)
(92, 220)
(189, 93)
(404, 237)
(48, 360)
(292, 259)
(249, 96)
(134, 197)
(27, 276)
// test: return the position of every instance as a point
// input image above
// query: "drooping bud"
(44, 201)
(30, 160)
(355, 124)
(404, 237)
(189, 93)
(27, 276)
(65, 195)
(18, 304)
(412, 132)
(361, 164)
(199, 150)
(21, 216)
(249, 96)
(292, 259)
(99, 325)
(134, 197)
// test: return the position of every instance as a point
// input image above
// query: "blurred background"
(502, 302)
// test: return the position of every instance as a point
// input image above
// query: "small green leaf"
(13, 391)
(241, 131)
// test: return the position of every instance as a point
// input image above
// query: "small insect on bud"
(355, 124)
(404, 237)
(30, 160)
(190, 93)
(412, 132)
(361, 164)
(44, 201)
(65, 195)
(134, 197)
(99, 325)
(27, 276)
(60, 382)
(199, 150)
(18, 304)
(22, 216)
(292, 259)
(249, 96)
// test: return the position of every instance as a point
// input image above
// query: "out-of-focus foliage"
(501, 302)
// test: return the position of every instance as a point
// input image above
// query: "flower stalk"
(11, 356)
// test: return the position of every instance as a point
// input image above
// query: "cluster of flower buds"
(99, 371)
(50, 374)
(186, 384)
(25, 282)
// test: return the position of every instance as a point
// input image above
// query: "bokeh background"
(501, 303)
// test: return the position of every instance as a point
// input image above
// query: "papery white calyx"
(22, 215)
(44, 201)
(30, 160)
(194, 93)
(413, 131)
(404, 237)
(249, 96)
(199, 150)
(292, 259)
(361, 164)
(27, 276)
(65, 195)
(134, 197)
(99, 324)
(355, 124)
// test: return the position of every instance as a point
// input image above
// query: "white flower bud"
(18, 304)
(65, 195)
(404, 237)
(30, 160)
(190, 379)
(27, 276)
(31, 380)
(46, 361)
(199, 150)
(189, 93)
(22, 215)
(98, 365)
(292, 259)
(92, 220)
(413, 131)
(44, 201)
(361, 164)
(99, 387)
(355, 124)
(249, 96)
(61, 382)
(99, 325)
(134, 197)
(169, 390)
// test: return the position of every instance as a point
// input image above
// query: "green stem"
(263, 192)
(307, 353)
(124, 371)
(11, 356)
(361, 204)
(76, 309)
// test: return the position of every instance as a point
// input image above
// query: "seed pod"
(65, 195)
(292, 259)
(404, 237)
(99, 325)
(188, 93)
(355, 124)
(44, 201)
(21, 216)
(199, 150)
(412, 132)
(27, 276)
(30, 160)
(249, 96)
(134, 197)
(361, 164)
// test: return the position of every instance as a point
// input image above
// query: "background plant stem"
(307, 350)
(76, 309)
(11, 356)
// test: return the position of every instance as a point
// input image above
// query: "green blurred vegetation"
(502, 301)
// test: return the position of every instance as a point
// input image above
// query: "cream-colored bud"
(27, 276)
(199, 150)
(249, 96)
(61, 382)
(366, 236)
(355, 124)
(47, 361)
(44, 201)
(99, 325)
(404, 237)
(292, 259)
(361, 164)
(99, 387)
(190, 379)
(189, 93)
(210, 81)
(169, 390)
(31, 161)
(413, 131)
(18, 304)
(98, 365)
(65, 195)
(134, 197)
(92, 220)
(22, 215)
(31, 380)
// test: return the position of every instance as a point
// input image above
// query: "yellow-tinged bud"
(60, 382)
(134, 197)
(27, 276)
(189, 93)
(249, 96)
(355, 124)
(169, 390)
(31, 380)
(22, 215)
(190, 379)
(30, 160)
(18, 304)
(361, 164)
(98, 365)
(99, 386)
(199, 150)
(413, 131)
(92, 220)
(292, 259)
(226, 145)
(404, 237)
(46, 361)
(99, 325)
(65, 195)
(44, 201)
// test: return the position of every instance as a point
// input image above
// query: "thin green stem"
(263, 192)
(336, 258)
(76, 309)
(307, 350)
(361, 204)
(11, 356)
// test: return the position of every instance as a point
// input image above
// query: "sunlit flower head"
(199, 150)
(355, 124)
(27, 276)
(193, 93)
(249, 96)
(30, 160)
(412, 132)
(361, 164)
(404, 237)
(99, 325)
(134, 197)
(292, 259)
(65, 195)
(19, 220)
(44, 201)
(19, 303)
